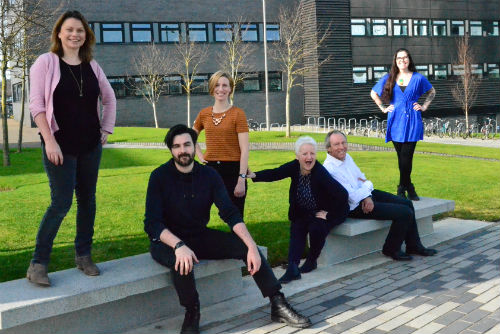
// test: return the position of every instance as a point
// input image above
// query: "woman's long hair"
(391, 81)
(85, 51)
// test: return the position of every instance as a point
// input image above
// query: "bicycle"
(252, 125)
(487, 130)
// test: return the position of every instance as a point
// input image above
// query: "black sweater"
(330, 196)
(181, 202)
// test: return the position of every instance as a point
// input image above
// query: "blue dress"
(405, 124)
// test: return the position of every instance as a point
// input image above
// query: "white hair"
(304, 140)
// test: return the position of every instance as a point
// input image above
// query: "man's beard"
(184, 163)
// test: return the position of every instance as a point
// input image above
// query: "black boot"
(281, 311)
(401, 191)
(292, 273)
(308, 266)
(191, 324)
(412, 194)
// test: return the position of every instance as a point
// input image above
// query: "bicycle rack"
(350, 127)
(341, 124)
(332, 119)
(321, 122)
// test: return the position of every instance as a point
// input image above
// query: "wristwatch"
(179, 245)
(243, 176)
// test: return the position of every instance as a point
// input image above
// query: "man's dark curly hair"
(179, 129)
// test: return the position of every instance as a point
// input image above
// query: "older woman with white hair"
(317, 204)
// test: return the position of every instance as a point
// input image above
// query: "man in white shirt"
(367, 202)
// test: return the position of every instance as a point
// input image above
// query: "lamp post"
(265, 64)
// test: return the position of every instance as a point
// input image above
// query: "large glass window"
(420, 27)
(251, 82)
(358, 27)
(16, 92)
(440, 71)
(273, 32)
(223, 32)
(400, 27)
(200, 84)
(173, 85)
(359, 74)
(477, 70)
(141, 32)
(457, 70)
(476, 28)
(112, 33)
(493, 71)
(118, 85)
(490, 28)
(170, 32)
(249, 32)
(439, 28)
(422, 69)
(379, 27)
(275, 82)
(197, 32)
(379, 72)
(457, 28)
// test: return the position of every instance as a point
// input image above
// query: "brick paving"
(457, 291)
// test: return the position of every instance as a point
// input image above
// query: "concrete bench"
(357, 237)
(129, 292)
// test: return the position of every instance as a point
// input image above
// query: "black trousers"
(401, 212)
(229, 171)
(405, 161)
(212, 245)
(317, 229)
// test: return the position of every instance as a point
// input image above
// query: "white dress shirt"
(350, 177)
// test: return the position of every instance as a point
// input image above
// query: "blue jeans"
(78, 174)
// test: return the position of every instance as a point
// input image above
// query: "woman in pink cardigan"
(65, 86)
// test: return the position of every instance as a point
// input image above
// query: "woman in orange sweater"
(226, 138)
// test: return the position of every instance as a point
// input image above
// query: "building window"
(458, 70)
(173, 85)
(439, 28)
(223, 32)
(273, 32)
(422, 69)
(118, 85)
(420, 28)
(197, 32)
(490, 28)
(141, 32)
(477, 70)
(275, 82)
(379, 27)
(476, 28)
(400, 27)
(379, 72)
(200, 84)
(457, 28)
(493, 71)
(441, 72)
(112, 33)
(358, 27)
(359, 75)
(249, 33)
(170, 32)
(137, 87)
(16, 92)
(251, 83)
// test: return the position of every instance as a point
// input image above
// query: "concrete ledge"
(357, 237)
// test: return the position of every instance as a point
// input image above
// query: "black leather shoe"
(191, 324)
(308, 266)
(401, 191)
(292, 273)
(281, 311)
(422, 251)
(412, 194)
(398, 256)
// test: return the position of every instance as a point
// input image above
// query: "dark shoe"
(281, 311)
(85, 264)
(412, 194)
(401, 191)
(421, 251)
(398, 256)
(308, 266)
(191, 324)
(37, 274)
(292, 273)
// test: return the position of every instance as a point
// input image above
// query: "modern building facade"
(364, 36)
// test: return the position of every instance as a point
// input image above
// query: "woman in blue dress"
(397, 94)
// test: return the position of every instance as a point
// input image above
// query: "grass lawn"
(24, 196)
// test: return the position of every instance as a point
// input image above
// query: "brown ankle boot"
(37, 274)
(85, 264)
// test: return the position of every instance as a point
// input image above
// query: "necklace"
(217, 120)
(80, 86)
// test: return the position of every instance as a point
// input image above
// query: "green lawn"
(24, 196)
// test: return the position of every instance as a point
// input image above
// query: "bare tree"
(465, 91)
(191, 55)
(295, 53)
(152, 66)
(233, 58)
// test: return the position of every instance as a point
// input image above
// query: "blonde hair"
(212, 82)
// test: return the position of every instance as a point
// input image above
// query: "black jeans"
(229, 171)
(401, 212)
(317, 229)
(212, 245)
(405, 161)
(77, 174)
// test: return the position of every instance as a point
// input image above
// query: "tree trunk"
(287, 108)
(153, 104)
(6, 153)
(21, 125)
(188, 108)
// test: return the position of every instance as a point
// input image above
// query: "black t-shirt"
(76, 116)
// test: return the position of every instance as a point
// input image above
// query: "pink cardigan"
(44, 77)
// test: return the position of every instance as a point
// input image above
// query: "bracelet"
(179, 245)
